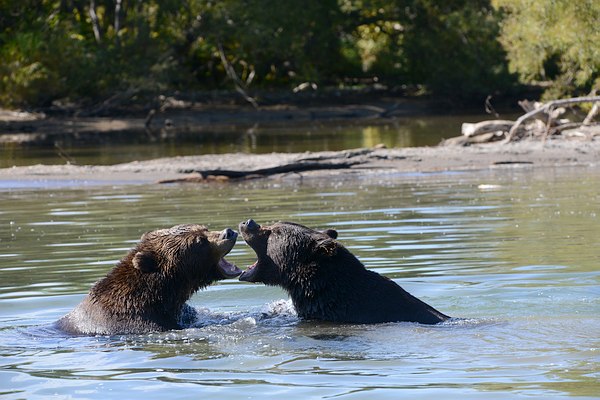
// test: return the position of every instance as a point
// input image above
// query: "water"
(514, 252)
(125, 146)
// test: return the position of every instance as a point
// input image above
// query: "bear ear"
(145, 262)
(326, 247)
(145, 235)
(332, 233)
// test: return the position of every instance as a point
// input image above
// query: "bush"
(553, 42)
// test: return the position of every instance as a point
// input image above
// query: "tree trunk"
(95, 22)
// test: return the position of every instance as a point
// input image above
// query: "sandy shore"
(24, 127)
(359, 162)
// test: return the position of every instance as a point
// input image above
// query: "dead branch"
(149, 118)
(489, 108)
(528, 105)
(592, 114)
(336, 156)
(539, 122)
(546, 108)
(563, 127)
(230, 71)
(299, 166)
(336, 160)
(113, 101)
(479, 128)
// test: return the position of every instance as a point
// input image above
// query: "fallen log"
(479, 128)
(329, 161)
(342, 160)
(279, 169)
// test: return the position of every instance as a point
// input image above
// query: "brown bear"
(148, 289)
(324, 280)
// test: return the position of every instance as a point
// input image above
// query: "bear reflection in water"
(148, 289)
(324, 280)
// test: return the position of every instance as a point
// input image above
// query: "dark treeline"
(83, 51)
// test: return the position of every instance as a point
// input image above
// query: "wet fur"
(327, 282)
(148, 289)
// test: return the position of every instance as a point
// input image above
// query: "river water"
(128, 145)
(513, 253)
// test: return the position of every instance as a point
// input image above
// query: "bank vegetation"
(95, 55)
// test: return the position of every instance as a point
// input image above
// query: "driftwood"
(299, 166)
(343, 160)
(226, 175)
(479, 128)
(545, 109)
(592, 114)
(540, 121)
(109, 104)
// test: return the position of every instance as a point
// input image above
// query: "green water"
(126, 146)
(518, 260)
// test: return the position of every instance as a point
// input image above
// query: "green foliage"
(269, 42)
(87, 50)
(53, 49)
(452, 47)
(556, 42)
(449, 46)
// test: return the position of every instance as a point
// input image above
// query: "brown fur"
(324, 280)
(148, 289)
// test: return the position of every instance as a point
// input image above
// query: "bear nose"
(228, 234)
(251, 225)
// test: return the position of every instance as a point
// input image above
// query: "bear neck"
(322, 289)
(129, 292)
(341, 289)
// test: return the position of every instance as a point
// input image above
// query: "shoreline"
(234, 167)
(33, 128)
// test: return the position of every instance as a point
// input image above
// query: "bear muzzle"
(249, 227)
(228, 234)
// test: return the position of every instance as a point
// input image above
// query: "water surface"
(513, 252)
(106, 148)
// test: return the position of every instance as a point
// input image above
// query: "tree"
(84, 51)
(449, 47)
(553, 42)
(78, 50)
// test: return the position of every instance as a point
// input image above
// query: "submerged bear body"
(148, 289)
(325, 281)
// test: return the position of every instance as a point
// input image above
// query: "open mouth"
(227, 269)
(248, 274)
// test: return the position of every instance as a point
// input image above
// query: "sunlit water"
(513, 252)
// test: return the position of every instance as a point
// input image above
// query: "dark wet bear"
(148, 289)
(324, 280)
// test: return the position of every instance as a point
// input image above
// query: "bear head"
(288, 254)
(155, 279)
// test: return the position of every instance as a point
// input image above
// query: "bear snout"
(228, 234)
(249, 226)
